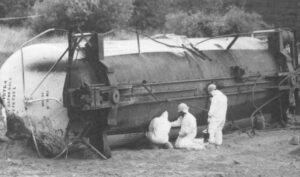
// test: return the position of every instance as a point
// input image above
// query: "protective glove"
(182, 134)
(209, 119)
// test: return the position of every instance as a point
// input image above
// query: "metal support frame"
(232, 42)
(22, 55)
(138, 42)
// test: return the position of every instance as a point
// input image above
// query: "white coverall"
(187, 134)
(159, 129)
(217, 117)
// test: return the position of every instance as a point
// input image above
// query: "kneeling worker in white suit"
(216, 115)
(158, 133)
(188, 129)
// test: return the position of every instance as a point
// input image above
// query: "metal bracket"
(232, 42)
(112, 115)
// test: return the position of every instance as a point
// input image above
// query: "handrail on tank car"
(145, 35)
(42, 99)
(263, 32)
(55, 64)
(127, 29)
(22, 54)
(242, 34)
(191, 49)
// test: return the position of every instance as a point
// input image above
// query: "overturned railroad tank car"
(100, 89)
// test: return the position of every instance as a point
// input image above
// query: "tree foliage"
(193, 18)
(200, 24)
(15, 8)
(190, 17)
(193, 25)
(149, 13)
(237, 20)
(193, 6)
(96, 15)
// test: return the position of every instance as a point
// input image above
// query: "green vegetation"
(95, 15)
(234, 20)
(194, 18)
(12, 38)
(15, 8)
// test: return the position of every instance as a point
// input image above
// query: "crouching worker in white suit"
(158, 133)
(216, 115)
(188, 129)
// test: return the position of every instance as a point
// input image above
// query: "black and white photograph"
(150, 88)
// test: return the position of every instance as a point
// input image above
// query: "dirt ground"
(267, 154)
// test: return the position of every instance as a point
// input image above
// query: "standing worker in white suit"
(216, 115)
(188, 129)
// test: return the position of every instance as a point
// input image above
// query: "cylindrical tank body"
(126, 89)
(161, 77)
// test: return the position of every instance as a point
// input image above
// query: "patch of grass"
(121, 35)
(12, 38)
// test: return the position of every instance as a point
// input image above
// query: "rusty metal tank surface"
(117, 87)
(136, 86)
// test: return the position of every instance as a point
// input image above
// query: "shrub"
(200, 24)
(15, 8)
(96, 15)
(195, 25)
(54, 12)
(193, 6)
(149, 14)
(236, 20)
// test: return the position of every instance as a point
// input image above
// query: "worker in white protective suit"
(158, 133)
(188, 129)
(216, 115)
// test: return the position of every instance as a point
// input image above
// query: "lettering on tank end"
(8, 95)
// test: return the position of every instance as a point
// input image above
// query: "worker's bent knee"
(218, 143)
(155, 146)
(168, 145)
